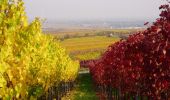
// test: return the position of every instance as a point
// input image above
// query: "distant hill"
(66, 25)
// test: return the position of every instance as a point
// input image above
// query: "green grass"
(84, 89)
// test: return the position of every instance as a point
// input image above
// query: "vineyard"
(85, 48)
(137, 68)
(30, 62)
(35, 66)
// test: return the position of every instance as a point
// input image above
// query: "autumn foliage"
(139, 65)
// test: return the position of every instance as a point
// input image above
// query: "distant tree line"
(122, 35)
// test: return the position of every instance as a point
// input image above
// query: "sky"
(93, 9)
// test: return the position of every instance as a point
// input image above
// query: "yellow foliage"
(30, 62)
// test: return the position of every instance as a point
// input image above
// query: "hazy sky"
(93, 9)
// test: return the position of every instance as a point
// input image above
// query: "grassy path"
(84, 89)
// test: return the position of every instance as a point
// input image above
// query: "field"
(84, 48)
(87, 43)
(90, 43)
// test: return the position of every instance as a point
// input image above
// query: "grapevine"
(139, 65)
(30, 61)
